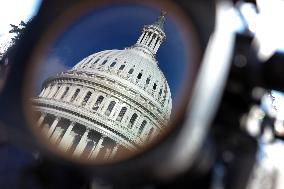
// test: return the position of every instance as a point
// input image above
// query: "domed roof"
(132, 67)
(113, 100)
(135, 67)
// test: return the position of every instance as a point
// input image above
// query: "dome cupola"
(153, 35)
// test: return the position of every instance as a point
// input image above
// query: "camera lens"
(109, 81)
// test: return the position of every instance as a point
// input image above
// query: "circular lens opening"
(111, 81)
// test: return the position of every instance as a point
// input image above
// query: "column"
(81, 96)
(56, 135)
(71, 93)
(42, 92)
(66, 144)
(138, 123)
(61, 91)
(51, 91)
(40, 120)
(96, 150)
(114, 151)
(145, 39)
(150, 38)
(52, 127)
(157, 46)
(66, 137)
(91, 102)
(82, 144)
(154, 42)
(46, 92)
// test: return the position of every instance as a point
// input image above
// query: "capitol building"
(110, 103)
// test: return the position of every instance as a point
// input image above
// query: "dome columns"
(67, 139)
(82, 143)
(97, 148)
(153, 35)
(53, 126)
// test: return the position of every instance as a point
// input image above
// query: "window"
(121, 67)
(148, 80)
(85, 64)
(75, 95)
(86, 98)
(98, 102)
(113, 64)
(121, 114)
(110, 108)
(139, 76)
(97, 60)
(65, 92)
(131, 71)
(132, 120)
(104, 62)
(155, 86)
(142, 126)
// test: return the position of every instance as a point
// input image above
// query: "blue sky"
(117, 27)
(13, 12)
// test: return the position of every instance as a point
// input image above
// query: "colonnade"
(89, 99)
(77, 144)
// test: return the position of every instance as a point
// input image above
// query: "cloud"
(51, 67)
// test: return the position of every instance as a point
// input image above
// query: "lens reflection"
(100, 104)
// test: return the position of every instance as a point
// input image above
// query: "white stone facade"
(112, 101)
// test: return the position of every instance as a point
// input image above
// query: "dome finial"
(161, 20)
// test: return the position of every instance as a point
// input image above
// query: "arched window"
(154, 86)
(65, 92)
(121, 67)
(113, 64)
(121, 114)
(148, 80)
(160, 93)
(131, 71)
(97, 61)
(104, 62)
(139, 75)
(86, 98)
(110, 108)
(132, 120)
(142, 126)
(86, 63)
(98, 102)
(75, 95)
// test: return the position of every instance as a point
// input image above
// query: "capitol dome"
(110, 102)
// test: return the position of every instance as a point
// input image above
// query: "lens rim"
(145, 160)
